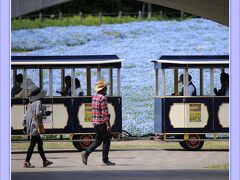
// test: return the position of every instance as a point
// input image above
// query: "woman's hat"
(37, 94)
(28, 85)
(100, 85)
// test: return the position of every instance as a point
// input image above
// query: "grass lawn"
(136, 144)
(224, 166)
(17, 24)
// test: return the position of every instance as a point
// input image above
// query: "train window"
(217, 83)
(206, 82)
(80, 74)
(33, 74)
(57, 80)
(195, 74)
(45, 81)
(94, 77)
(105, 76)
(221, 82)
(169, 85)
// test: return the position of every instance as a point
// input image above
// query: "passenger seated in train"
(191, 87)
(224, 91)
(67, 92)
(17, 86)
(28, 86)
(79, 91)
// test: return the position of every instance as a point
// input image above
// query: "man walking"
(101, 123)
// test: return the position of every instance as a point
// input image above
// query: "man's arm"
(104, 107)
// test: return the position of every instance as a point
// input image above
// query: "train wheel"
(193, 144)
(86, 141)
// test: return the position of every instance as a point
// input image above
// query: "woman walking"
(32, 121)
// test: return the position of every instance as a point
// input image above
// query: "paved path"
(131, 165)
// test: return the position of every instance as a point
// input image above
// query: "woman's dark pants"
(35, 139)
(102, 136)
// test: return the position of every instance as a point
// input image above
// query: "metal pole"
(182, 14)
(63, 89)
(175, 81)
(186, 82)
(111, 81)
(119, 14)
(14, 76)
(100, 17)
(60, 16)
(139, 14)
(156, 82)
(73, 88)
(119, 81)
(201, 82)
(41, 78)
(81, 16)
(88, 81)
(25, 83)
(161, 13)
(149, 10)
(40, 17)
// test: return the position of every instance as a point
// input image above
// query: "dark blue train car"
(71, 115)
(184, 115)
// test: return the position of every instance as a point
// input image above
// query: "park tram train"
(190, 120)
(71, 115)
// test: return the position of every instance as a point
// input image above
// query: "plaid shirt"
(99, 109)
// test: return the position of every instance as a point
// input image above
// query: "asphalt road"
(130, 165)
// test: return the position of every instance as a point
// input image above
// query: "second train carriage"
(190, 120)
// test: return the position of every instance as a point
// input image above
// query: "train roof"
(214, 61)
(111, 61)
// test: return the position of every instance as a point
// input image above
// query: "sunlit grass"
(223, 166)
(26, 23)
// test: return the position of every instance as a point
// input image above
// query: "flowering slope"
(138, 43)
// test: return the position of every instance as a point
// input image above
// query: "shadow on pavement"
(146, 149)
(123, 174)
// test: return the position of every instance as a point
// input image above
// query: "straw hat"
(37, 94)
(100, 85)
(28, 85)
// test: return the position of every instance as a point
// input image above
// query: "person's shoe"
(84, 157)
(47, 163)
(28, 165)
(108, 163)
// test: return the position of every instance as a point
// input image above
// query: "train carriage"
(71, 115)
(190, 120)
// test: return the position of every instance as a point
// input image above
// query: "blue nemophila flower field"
(138, 43)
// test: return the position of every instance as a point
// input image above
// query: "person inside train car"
(17, 86)
(27, 87)
(79, 90)
(224, 91)
(67, 91)
(101, 123)
(191, 87)
(34, 115)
